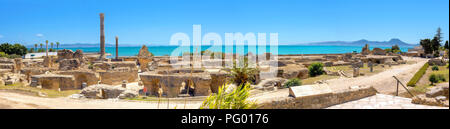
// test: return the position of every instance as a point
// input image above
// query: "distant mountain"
(363, 42)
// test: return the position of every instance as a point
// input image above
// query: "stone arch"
(187, 87)
(80, 79)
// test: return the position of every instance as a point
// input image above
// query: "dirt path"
(10, 100)
(383, 82)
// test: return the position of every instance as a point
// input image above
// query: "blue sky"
(153, 22)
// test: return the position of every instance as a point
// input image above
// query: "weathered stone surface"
(293, 72)
(378, 51)
(365, 50)
(65, 54)
(116, 76)
(440, 90)
(172, 84)
(328, 63)
(438, 62)
(69, 64)
(218, 79)
(144, 57)
(54, 81)
(113, 65)
(422, 99)
(102, 91)
(82, 76)
(316, 100)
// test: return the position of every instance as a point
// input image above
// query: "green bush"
(292, 82)
(418, 75)
(433, 79)
(435, 68)
(441, 77)
(316, 69)
(236, 99)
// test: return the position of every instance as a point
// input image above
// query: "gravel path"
(10, 100)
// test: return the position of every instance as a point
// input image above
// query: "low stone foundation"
(320, 100)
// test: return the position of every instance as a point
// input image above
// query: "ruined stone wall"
(116, 76)
(171, 84)
(54, 82)
(90, 78)
(319, 101)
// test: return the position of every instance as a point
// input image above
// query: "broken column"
(370, 64)
(117, 48)
(355, 71)
(102, 36)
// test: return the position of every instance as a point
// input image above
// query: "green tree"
(446, 44)
(395, 49)
(35, 47)
(316, 69)
(433, 79)
(435, 44)
(426, 45)
(57, 45)
(15, 49)
(51, 44)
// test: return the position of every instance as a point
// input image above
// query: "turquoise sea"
(283, 49)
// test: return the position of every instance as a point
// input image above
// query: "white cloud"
(40, 35)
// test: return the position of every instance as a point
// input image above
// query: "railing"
(399, 82)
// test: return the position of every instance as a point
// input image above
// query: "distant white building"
(39, 55)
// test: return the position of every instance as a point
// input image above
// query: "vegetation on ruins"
(241, 72)
(435, 68)
(418, 75)
(394, 49)
(433, 79)
(13, 50)
(236, 99)
(315, 69)
(292, 82)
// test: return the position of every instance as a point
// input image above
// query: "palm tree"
(35, 47)
(40, 50)
(57, 45)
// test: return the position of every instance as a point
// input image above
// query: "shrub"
(316, 69)
(433, 79)
(242, 73)
(435, 68)
(441, 77)
(236, 99)
(292, 82)
(418, 75)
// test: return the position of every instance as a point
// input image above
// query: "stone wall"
(116, 76)
(88, 77)
(321, 100)
(171, 84)
(54, 82)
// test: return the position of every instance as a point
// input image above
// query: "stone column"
(102, 36)
(355, 71)
(46, 48)
(117, 48)
(370, 64)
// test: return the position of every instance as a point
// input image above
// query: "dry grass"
(312, 80)
(19, 87)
